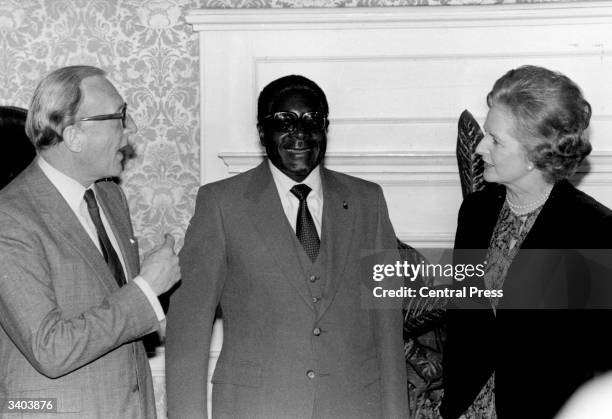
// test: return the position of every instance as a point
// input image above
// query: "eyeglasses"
(122, 114)
(288, 121)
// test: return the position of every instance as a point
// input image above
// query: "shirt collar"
(70, 189)
(284, 183)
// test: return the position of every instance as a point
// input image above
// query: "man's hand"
(160, 269)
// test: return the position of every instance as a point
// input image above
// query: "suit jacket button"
(315, 299)
(313, 278)
(316, 331)
(310, 374)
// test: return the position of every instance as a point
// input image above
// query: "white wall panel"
(397, 80)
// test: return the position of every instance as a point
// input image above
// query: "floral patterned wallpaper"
(255, 4)
(152, 56)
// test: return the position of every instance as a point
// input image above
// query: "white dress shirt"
(291, 203)
(73, 192)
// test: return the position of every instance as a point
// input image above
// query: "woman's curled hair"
(551, 116)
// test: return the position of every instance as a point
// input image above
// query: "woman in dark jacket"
(535, 345)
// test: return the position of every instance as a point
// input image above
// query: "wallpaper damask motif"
(152, 57)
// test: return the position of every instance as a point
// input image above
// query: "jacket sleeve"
(55, 342)
(389, 327)
(192, 308)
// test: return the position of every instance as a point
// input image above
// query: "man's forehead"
(292, 97)
(99, 94)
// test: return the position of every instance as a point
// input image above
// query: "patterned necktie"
(305, 229)
(110, 256)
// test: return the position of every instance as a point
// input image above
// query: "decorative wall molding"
(584, 13)
(386, 168)
(420, 240)
(432, 168)
(394, 121)
(595, 50)
(426, 120)
(244, 49)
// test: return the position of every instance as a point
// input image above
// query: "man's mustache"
(128, 151)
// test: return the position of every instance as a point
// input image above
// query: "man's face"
(103, 142)
(295, 153)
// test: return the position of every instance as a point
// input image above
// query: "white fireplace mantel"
(397, 79)
(361, 18)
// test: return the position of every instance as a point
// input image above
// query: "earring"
(530, 166)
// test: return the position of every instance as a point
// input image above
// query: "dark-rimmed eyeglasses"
(286, 121)
(122, 114)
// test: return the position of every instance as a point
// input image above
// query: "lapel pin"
(344, 204)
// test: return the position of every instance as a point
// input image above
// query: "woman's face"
(504, 155)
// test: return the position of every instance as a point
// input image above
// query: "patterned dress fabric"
(508, 236)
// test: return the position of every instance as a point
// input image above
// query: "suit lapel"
(58, 216)
(550, 218)
(267, 215)
(536, 258)
(337, 228)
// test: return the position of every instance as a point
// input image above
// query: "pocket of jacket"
(245, 374)
(362, 377)
(370, 371)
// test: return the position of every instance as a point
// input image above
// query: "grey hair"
(551, 116)
(55, 103)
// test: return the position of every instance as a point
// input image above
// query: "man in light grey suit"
(279, 248)
(74, 301)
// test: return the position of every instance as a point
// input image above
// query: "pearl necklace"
(527, 208)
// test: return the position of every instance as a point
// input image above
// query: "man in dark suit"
(278, 247)
(74, 301)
